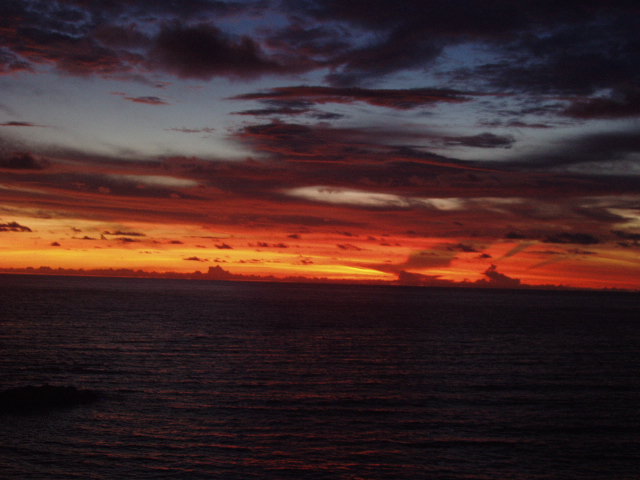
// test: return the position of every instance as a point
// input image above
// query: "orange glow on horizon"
(329, 254)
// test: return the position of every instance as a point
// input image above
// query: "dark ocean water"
(202, 380)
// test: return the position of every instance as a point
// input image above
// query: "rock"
(43, 398)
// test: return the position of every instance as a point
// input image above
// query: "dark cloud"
(420, 260)
(127, 240)
(191, 130)
(289, 107)
(469, 18)
(147, 100)
(322, 143)
(602, 148)
(578, 251)
(224, 246)
(22, 161)
(299, 220)
(634, 244)
(11, 63)
(44, 35)
(120, 232)
(461, 247)
(515, 236)
(493, 279)
(482, 140)
(521, 124)
(420, 280)
(13, 227)
(570, 47)
(627, 235)
(547, 46)
(320, 42)
(347, 246)
(567, 237)
(19, 124)
(114, 38)
(271, 245)
(263, 112)
(498, 280)
(401, 50)
(196, 259)
(204, 51)
(401, 99)
(619, 105)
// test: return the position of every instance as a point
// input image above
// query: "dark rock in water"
(43, 398)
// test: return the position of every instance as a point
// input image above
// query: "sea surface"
(212, 380)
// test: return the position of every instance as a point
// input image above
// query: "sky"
(494, 143)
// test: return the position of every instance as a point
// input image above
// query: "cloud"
(482, 140)
(594, 151)
(109, 39)
(515, 236)
(22, 161)
(147, 100)
(224, 246)
(521, 124)
(461, 247)
(11, 63)
(347, 246)
(127, 240)
(401, 50)
(570, 47)
(125, 233)
(627, 235)
(567, 237)
(420, 260)
(204, 51)
(497, 279)
(19, 124)
(548, 46)
(271, 245)
(493, 279)
(13, 227)
(196, 259)
(273, 111)
(301, 39)
(323, 143)
(191, 130)
(400, 99)
(517, 249)
(621, 104)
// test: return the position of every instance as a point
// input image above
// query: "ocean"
(213, 380)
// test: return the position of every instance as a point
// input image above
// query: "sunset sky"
(429, 142)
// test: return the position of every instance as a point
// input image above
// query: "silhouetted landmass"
(213, 273)
(493, 278)
(43, 398)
